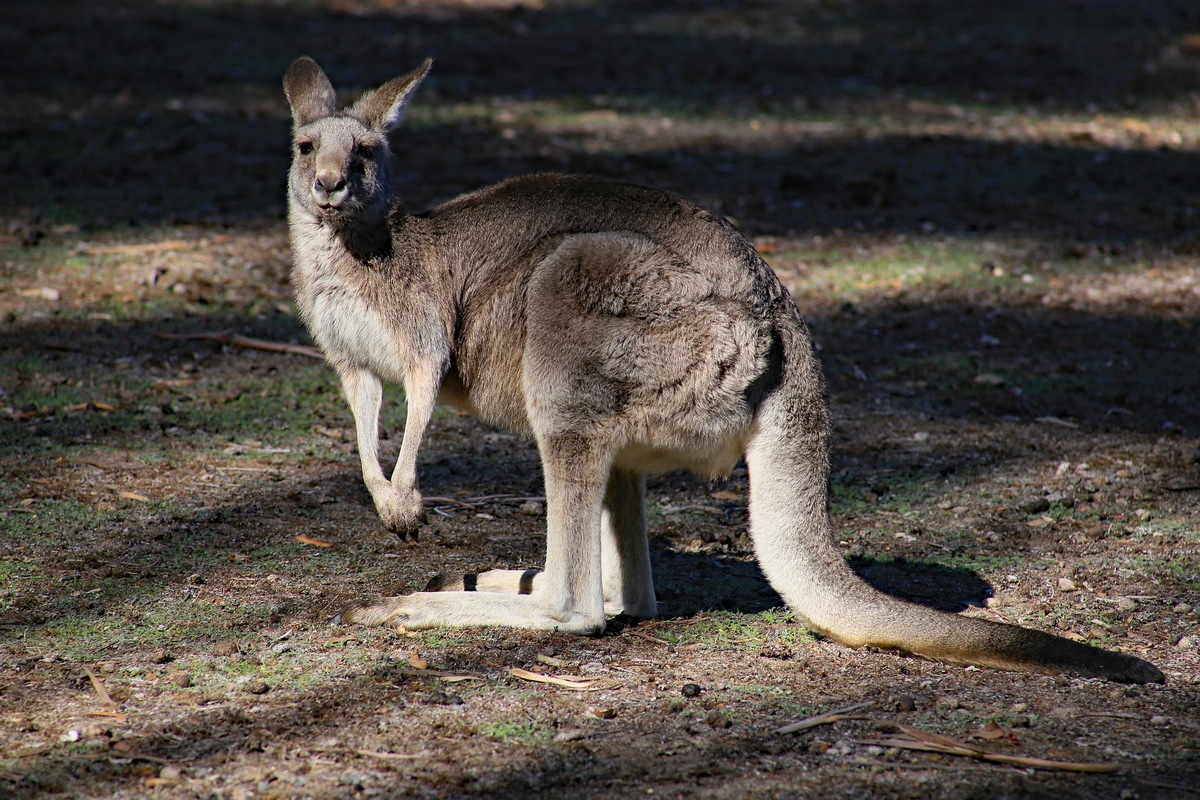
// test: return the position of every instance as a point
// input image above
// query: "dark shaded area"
(139, 112)
(123, 114)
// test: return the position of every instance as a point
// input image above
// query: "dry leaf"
(305, 539)
(44, 293)
(237, 558)
(154, 783)
(601, 712)
(98, 685)
(553, 680)
(134, 496)
(91, 405)
(990, 731)
(137, 249)
(416, 662)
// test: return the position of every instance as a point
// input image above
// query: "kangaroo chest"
(346, 319)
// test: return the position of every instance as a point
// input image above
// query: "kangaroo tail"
(788, 460)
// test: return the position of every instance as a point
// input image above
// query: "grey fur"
(628, 331)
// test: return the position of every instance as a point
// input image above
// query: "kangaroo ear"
(383, 109)
(309, 92)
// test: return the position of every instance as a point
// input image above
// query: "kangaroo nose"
(329, 189)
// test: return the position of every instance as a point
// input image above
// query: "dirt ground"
(987, 212)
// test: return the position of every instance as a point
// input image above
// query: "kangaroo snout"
(329, 189)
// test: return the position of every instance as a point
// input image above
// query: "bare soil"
(987, 212)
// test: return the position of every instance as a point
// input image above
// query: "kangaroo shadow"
(689, 583)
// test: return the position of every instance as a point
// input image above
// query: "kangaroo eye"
(366, 152)
(304, 147)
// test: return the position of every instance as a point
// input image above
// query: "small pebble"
(1182, 608)
(673, 705)
(948, 703)
(1034, 505)
(169, 773)
(691, 690)
(226, 648)
(1066, 585)
(1186, 643)
(906, 703)
(1126, 605)
(443, 699)
(716, 719)
(1061, 499)
(531, 508)
(161, 656)
(182, 680)
(257, 687)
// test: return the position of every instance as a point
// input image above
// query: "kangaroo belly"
(715, 460)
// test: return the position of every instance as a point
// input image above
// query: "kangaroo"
(628, 332)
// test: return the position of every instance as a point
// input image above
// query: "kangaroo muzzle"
(329, 189)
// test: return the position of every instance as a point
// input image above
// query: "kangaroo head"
(342, 159)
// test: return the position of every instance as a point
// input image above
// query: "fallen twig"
(448, 677)
(391, 756)
(475, 502)
(446, 501)
(824, 719)
(648, 637)
(224, 337)
(916, 739)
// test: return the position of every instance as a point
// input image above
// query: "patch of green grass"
(516, 732)
(777, 697)
(979, 561)
(931, 263)
(723, 630)
(54, 520)
(93, 638)
(442, 638)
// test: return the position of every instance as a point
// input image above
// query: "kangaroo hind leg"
(625, 547)
(624, 556)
